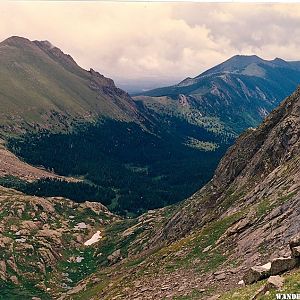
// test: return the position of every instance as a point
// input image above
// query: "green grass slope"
(40, 84)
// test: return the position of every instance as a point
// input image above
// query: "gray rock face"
(275, 282)
(296, 252)
(257, 273)
(282, 264)
(3, 270)
(256, 161)
(114, 257)
(295, 241)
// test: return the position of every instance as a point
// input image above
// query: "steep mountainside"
(245, 216)
(238, 93)
(260, 159)
(74, 122)
(43, 87)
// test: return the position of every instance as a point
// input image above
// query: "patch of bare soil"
(11, 165)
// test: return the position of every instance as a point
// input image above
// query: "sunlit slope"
(40, 84)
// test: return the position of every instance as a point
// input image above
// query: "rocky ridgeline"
(274, 268)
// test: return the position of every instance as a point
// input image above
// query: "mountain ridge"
(54, 87)
(239, 93)
(239, 62)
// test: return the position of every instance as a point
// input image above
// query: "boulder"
(2, 270)
(5, 241)
(206, 249)
(282, 264)
(51, 235)
(23, 247)
(215, 297)
(257, 273)
(296, 251)
(12, 264)
(80, 287)
(220, 275)
(275, 282)
(295, 241)
(30, 225)
(47, 256)
(14, 280)
(114, 257)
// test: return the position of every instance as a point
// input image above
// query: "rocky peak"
(233, 64)
(56, 53)
(15, 41)
(101, 80)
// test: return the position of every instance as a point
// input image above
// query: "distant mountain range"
(239, 92)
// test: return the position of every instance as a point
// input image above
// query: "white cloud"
(160, 40)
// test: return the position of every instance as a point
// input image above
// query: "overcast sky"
(156, 40)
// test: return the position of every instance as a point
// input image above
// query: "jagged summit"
(45, 43)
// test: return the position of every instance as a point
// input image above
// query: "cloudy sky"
(163, 42)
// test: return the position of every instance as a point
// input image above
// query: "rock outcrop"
(38, 234)
(257, 273)
(277, 266)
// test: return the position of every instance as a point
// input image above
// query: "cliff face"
(258, 152)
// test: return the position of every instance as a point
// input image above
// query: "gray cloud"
(156, 40)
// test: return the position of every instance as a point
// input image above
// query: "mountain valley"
(173, 194)
(137, 159)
